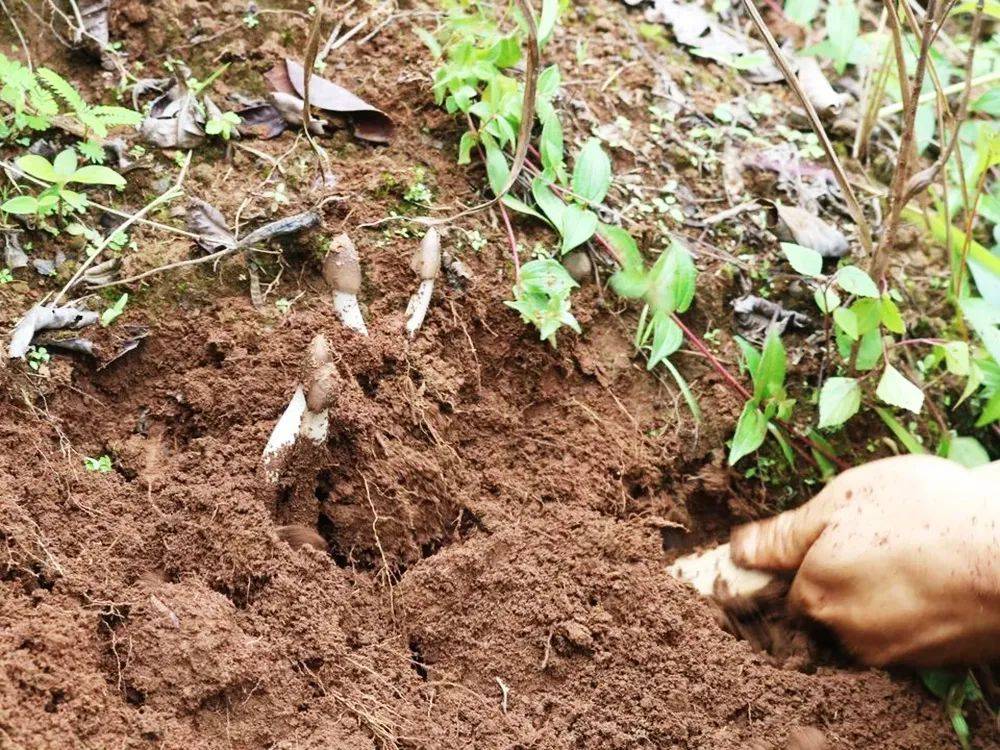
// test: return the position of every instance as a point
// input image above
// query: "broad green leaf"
(984, 318)
(465, 145)
(551, 206)
(967, 451)
(38, 167)
(551, 145)
(855, 281)
(771, 370)
(988, 103)
(521, 207)
(801, 12)
(64, 165)
(497, 169)
(843, 27)
(751, 429)
(839, 400)
(95, 174)
(667, 339)
(592, 172)
(827, 299)
(547, 277)
(547, 20)
(786, 448)
(896, 390)
(22, 204)
(891, 317)
(804, 260)
(991, 411)
(578, 226)
(868, 313)
(624, 244)
(956, 357)
(672, 280)
(847, 322)
(751, 357)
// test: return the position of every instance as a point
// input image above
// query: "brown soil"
(496, 515)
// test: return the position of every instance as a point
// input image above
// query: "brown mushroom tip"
(578, 265)
(319, 353)
(426, 261)
(321, 389)
(341, 268)
(300, 536)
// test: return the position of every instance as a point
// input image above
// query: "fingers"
(781, 542)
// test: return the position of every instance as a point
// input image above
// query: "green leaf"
(984, 318)
(578, 225)
(592, 172)
(827, 299)
(667, 339)
(110, 315)
(547, 20)
(855, 281)
(428, 39)
(847, 322)
(551, 145)
(551, 206)
(22, 205)
(896, 390)
(521, 207)
(843, 27)
(64, 164)
(672, 280)
(771, 370)
(891, 317)
(465, 145)
(631, 280)
(956, 357)
(95, 174)
(751, 357)
(804, 260)
(967, 451)
(801, 12)
(689, 398)
(546, 276)
(991, 411)
(497, 169)
(839, 400)
(988, 103)
(868, 313)
(907, 438)
(38, 167)
(751, 429)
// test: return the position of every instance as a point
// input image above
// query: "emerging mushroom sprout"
(308, 413)
(426, 264)
(342, 273)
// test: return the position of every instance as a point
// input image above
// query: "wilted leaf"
(14, 256)
(754, 315)
(206, 221)
(799, 226)
(817, 88)
(43, 317)
(263, 121)
(174, 120)
(370, 123)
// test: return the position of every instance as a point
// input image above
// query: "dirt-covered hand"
(900, 557)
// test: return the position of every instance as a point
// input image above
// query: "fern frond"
(43, 102)
(113, 116)
(92, 122)
(62, 88)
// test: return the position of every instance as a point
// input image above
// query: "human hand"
(899, 557)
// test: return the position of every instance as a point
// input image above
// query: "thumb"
(780, 543)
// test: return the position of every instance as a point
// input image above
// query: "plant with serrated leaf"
(58, 174)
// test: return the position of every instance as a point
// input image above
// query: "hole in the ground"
(417, 657)
(328, 531)
(55, 698)
(243, 594)
(324, 485)
(134, 696)
(673, 537)
(368, 384)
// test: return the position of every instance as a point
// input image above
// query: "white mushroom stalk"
(308, 413)
(426, 264)
(342, 272)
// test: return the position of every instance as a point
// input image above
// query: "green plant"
(101, 464)
(38, 357)
(223, 125)
(37, 97)
(541, 295)
(6, 276)
(769, 400)
(954, 688)
(112, 313)
(57, 198)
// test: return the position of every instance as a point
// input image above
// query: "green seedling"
(769, 401)
(62, 171)
(112, 314)
(223, 125)
(100, 465)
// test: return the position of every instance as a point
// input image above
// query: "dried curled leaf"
(43, 317)
(206, 221)
(174, 120)
(803, 228)
(817, 88)
(370, 123)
